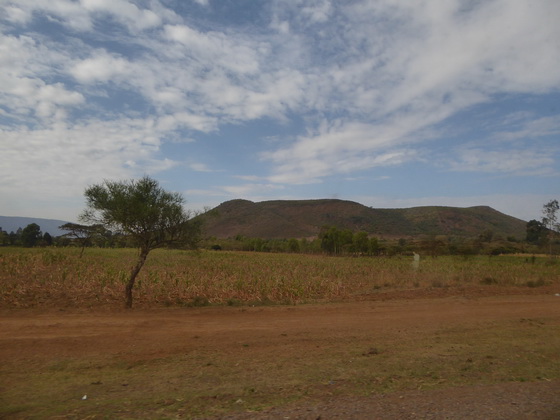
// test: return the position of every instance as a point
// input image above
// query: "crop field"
(59, 277)
(256, 335)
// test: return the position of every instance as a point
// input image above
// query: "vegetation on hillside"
(305, 218)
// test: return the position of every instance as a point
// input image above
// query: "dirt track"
(35, 336)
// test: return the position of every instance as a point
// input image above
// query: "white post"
(416, 262)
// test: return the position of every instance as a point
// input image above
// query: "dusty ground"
(40, 337)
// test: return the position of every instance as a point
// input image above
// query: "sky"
(389, 103)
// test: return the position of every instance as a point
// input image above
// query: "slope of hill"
(12, 224)
(304, 218)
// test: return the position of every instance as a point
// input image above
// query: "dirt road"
(34, 340)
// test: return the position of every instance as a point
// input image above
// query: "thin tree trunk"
(133, 274)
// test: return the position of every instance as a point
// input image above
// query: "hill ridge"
(13, 223)
(281, 219)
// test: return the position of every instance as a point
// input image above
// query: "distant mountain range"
(12, 224)
(304, 218)
(284, 219)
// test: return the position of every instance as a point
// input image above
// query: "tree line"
(541, 235)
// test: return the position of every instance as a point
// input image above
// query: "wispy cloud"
(440, 58)
(199, 167)
(520, 162)
(96, 88)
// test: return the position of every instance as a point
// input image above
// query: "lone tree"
(141, 209)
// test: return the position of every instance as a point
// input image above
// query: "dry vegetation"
(159, 362)
(58, 277)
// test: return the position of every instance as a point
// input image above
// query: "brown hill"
(304, 218)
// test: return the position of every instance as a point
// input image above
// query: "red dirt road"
(30, 337)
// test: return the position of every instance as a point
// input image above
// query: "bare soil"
(35, 337)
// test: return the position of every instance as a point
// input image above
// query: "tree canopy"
(550, 220)
(31, 234)
(143, 210)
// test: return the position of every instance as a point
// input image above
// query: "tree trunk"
(133, 274)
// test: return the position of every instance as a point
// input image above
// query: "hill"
(12, 224)
(304, 218)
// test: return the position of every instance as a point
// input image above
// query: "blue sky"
(388, 103)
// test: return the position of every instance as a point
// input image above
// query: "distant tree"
(141, 209)
(31, 234)
(550, 220)
(47, 239)
(293, 245)
(536, 231)
(433, 245)
(360, 242)
(14, 238)
(374, 247)
(82, 233)
(486, 236)
(4, 238)
(334, 240)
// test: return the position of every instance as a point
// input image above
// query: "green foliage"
(47, 239)
(536, 232)
(550, 221)
(360, 242)
(150, 216)
(550, 216)
(293, 245)
(141, 209)
(31, 235)
(334, 240)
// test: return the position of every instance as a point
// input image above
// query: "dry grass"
(208, 382)
(51, 277)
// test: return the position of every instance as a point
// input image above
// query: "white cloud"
(59, 161)
(184, 119)
(68, 12)
(80, 15)
(530, 127)
(519, 162)
(440, 58)
(234, 54)
(249, 190)
(317, 11)
(199, 167)
(368, 82)
(16, 14)
(100, 67)
(22, 89)
(341, 147)
(128, 13)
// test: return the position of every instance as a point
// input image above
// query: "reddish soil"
(41, 335)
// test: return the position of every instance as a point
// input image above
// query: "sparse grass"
(50, 277)
(208, 381)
